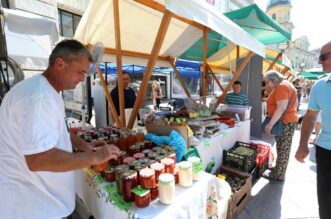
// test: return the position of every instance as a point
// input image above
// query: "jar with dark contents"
(133, 163)
(129, 181)
(130, 139)
(137, 169)
(119, 170)
(159, 169)
(109, 174)
(169, 165)
(147, 152)
(140, 135)
(121, 156)
(144, 200)
(144, 160)
(148, 144)
(157, 149)
(162, 151)
(176, 175)
(147, 178)
(128, 160)
(153, 155)
(134, 149)
(159, 158)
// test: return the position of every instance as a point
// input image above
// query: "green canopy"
(253, 20)
(312, 74)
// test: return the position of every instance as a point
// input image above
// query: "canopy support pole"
(215, 78)
(284, 71)
(180, 78)
(204, 64)
(119, 62)
(235, 77)
(151, 63)
(238, 52)
(275, 60)
(111, 105)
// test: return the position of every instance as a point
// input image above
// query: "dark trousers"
(323, 162)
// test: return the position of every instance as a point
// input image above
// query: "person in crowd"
(129, 94)
(37, 159)
(319, 100)
(283, 95)
(236, 97)
(156, 95)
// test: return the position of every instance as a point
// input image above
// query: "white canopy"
(139, 25)
(29, 38)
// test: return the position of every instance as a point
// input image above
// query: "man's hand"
(105, 153)
(302, 153)
(86, 147)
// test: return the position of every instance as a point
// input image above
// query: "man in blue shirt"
(236, 98)
(319, 100)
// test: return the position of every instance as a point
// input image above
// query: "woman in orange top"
(277, 102)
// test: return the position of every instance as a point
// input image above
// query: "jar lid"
(194, 160)
(121, 167)
(167, 161)
(139, 155)
(130, 174)
(157, 166)
(147, 172)
(185, 165)
(166, 178)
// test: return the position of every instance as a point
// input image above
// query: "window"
(5, 3)
(274, 16)
(68, 23)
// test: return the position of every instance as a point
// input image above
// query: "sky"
(310, 18)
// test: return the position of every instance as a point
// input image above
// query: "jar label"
(98, 179)
(198, 167)
(110, 188)
(140, 191)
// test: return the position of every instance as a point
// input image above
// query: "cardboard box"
(165, 130)
(239, 199)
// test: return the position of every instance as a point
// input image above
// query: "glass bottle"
(166, 188)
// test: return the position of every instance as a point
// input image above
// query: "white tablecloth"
(189, 202)
(213, 147)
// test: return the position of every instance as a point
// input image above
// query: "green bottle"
(210, 165)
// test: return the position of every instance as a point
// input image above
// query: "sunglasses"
(323, 57)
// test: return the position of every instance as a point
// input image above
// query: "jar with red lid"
(119, 170)
(169, 165)
(159, 169)
(129, 181)
(144, 200)
(147, 178)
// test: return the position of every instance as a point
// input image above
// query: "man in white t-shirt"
(36, 159)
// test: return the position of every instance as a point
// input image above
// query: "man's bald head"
(325, 57)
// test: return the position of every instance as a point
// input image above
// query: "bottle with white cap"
(185, 174)
(166, 188)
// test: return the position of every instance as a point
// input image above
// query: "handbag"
(278, 127)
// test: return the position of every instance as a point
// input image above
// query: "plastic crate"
(244, 163)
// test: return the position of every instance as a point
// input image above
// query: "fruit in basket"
(245, 151)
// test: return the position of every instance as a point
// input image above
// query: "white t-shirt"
(32, 120)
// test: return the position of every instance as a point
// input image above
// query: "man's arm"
(56, 160)
(281, 107)
(307, 127)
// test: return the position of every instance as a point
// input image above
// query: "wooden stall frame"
(171, 61)
(275, 60)
(215, 78)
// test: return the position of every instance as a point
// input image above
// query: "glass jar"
(133, 163)
(148, 144)
(155, 193)
(159, 158)
(130, 139)
(196, 167)
(109, 174)
(113, 139)
(166, 188)
(140, 135)
(134, 149)
(122, 142)
(128, 160)
(185, 174)
(129, 181)
(119, 170)
(147, 152)
(143, 201)
(169, 165)
(100, 167)
(147, 178)
(122, 156)
(139, 155)
(159, 169)
(153, 155)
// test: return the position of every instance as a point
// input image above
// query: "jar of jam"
(137, 169)
(157, 149)
(139, 155)
(153, 155)
(129, 181)
(130, 139)
(162, 151)
(143, 200)
(185, 174)
(144, 160)
(159, 158)
(159, 169)
(147, 152)
(147, 178)
(119, 170)
(140, 135)
(133, 163)
(171, 155)
(166, 188)
(109, 174)
(121, 156)
(100, 167)
(169, 165)
(154, 193)
(148, 144)
(133, 149)
(128, 160)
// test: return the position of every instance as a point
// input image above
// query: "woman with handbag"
(281, 120)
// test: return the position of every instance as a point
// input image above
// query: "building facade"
(298, 49)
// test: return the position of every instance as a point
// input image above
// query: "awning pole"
(215, 78)
(275, 60)
(204, 64)
(179, 78)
